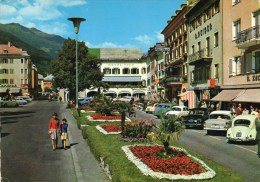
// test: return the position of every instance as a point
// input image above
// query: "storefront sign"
(253, 78)
(120, 64)
(203, 31)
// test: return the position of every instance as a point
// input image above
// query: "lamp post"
(76, 22)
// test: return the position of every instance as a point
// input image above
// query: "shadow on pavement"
(72, 144)
(16, 113)
(8, 122)
(4, 134)
(14, 117)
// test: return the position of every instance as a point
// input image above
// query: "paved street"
(241, 158)
(26, 152)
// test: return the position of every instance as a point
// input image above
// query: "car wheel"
(228, 141)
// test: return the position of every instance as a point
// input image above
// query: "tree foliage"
(64, 68)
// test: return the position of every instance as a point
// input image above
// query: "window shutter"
(230, 67)
(238, 66)
(242, 65)
(248, 63)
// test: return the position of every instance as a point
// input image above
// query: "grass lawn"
(123, 170)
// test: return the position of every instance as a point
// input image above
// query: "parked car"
(8, 103)
(163, 108)
(27, 98)
(243, 128)
(151, 108)
(21, 101)
(218, 121)
(85, 100)
(177, 111)
(196, 117)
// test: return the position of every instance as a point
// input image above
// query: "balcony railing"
(174, 78)
(201, 54)
(248, 34)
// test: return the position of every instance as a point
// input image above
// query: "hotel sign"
(120, 64)
(203, 31)
(253, 78)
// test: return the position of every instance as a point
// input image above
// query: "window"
(236, 28)
(25, 71)
(4, 60)
(25, 81)
(256, 18)
(116, 71)
(216, 71)
(216, 39)
(216, 7)
(11, 71)
(3, 71)
(5, 51)
(107, 71)
(22, 61)
(199, 46)
(143, 71)
(11, 81)
(126, 71)
(134, 71)
(26, 61)
(235, 66)
(208, 46)
(192, 49)
(11, 61)
(3, 81)
(22, 71)
(256, 62)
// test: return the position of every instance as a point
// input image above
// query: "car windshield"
(242, 122)
(197, 112)
(219, 116)
(176, 109)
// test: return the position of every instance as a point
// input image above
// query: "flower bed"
(99, 117)
(88, 110)
(109, 129)
(180, 165)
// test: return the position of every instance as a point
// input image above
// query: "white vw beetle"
(243, 128)
(178, 111)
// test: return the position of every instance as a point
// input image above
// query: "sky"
(109, 23)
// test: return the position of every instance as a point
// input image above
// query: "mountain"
(42, 47)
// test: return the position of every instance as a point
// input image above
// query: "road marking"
(246, 149)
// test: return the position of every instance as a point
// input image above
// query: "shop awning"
(124, 92)
(227, 95)
(250, 95)
(138, 92)
(12, 90)
(122, 79)
(110, 92)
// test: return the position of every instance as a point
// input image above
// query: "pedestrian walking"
(245, 111)
(53, 129)
(258, 137)
(60, 98)
(251, 109)
(64, 133)
(232, 109)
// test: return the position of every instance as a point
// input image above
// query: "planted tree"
(170, 129)
(64, 68)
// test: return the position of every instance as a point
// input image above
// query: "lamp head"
(76, 22)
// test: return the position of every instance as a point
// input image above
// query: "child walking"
(64, 133)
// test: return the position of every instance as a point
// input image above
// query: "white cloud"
(109, 45)
(57, 28)
(7, 10)
(145, 39)
(160, 37)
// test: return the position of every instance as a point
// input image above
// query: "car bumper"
(241, 139)
(215, 129)
(193, 124)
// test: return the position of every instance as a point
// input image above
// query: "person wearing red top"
(54, 127)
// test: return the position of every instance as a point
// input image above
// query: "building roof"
(120, 53)
(122, 79)
(10, 49)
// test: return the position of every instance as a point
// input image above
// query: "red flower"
(111, 128)
(180, 164)
(103, 117)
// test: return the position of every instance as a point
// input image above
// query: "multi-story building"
(241, 52)
(123, 70)
(156, 72)
(15, 70)
(205, 49)
(176, 38)
(34, 88)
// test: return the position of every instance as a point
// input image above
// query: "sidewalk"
(86, 166)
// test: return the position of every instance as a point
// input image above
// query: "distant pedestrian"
(60, 98)
(232, 109)
(239, 109)
(245, 111)
(251, 109)
(64, 133)
(258, 137)
(54, 127)
(255, 112)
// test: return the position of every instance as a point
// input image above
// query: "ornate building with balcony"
(176, 67)
(205, 49)
(241, 52)
(15, 70)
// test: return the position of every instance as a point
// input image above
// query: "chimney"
(9, 44)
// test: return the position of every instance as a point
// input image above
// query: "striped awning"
(122, 79)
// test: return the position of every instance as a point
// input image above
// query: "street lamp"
(76, 22)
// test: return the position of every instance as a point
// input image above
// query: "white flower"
(105, 132)
(208, 174)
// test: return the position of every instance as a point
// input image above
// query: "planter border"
(149, 172)
(99, 128)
